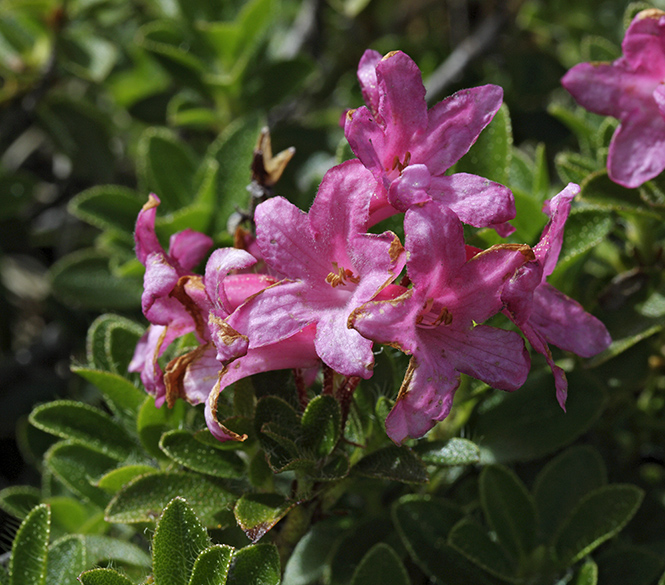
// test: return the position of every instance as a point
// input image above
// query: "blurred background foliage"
(104, 101)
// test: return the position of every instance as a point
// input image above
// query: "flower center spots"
(431, 316)
(340, 276)
(400, 166)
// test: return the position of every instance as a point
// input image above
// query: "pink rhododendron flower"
(544, 314)
(438, 321)
(331, 267)
(631, 89)
(408, 148)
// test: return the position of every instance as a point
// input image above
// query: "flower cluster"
(631, 89)
(328, 289)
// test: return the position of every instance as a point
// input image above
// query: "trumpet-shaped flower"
(331, 267)
(408, 148)
(437, 320)
(631, 89)
(544, 314)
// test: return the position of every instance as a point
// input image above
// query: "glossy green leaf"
(321, 425)
(637, 566)
(184, 449)
(475, 544)
(69, 515)
(78, 466)
(394, 463)
(601, 192)
(573, 167)
(27, 564)
(66, 559)
(587, 573)
(423, 525)
(256, 564)
(110, 343)
(179, 539)
(258, 513)
(490, 156)
(122, 396)
(153, 422)
(563, 482)
(19, 500)
(234, 151)
(143, 499)
(380, 566)
(307, 563)
(73, 420)
(529, 423)
(83, 280)
(101, 548)
(108, 207)
(166, 167)
(456, 451)
(116, 479)
(599, 516)
(212, 566)
(88, 55)
(509, 510)
(103, 577)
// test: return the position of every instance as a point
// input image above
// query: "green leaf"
(110, 343)
(490, 155)
(587, 574)
(66, 559)
(183, 448)
(307, 563)
(573, 167)
(423, 525)
(179, 539)
(212, 566)
(603, 193)
(123, 397)
(153, 422)
(380, 566)
(509, 510)
(108, 207)
(256, 564)
(234, 152)
(84, 280)
(116, 479)
(69, 515)
(641, 329)
(541, 176)
(102, 548)
(256, 514)
(529, 423)
(27, 564)
(563, 482)
(599, 516)
(77, 466)
(87, 54)
(633, 565)
(396, 463)
(322, 425)
(475, 544)
(17, 501)
(167, 167)
(143, 499)
(456, 451)
(74, 420)
(103, 577)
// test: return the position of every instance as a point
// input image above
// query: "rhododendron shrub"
(329, 293)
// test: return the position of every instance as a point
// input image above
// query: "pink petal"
(425, 397)
(564, 323)
(367, 78)
(643, 44)
(144, 234)
(454, 124)
(410, 188)
(219, 265)
(476, 201)
(549, 247)
(188, 248)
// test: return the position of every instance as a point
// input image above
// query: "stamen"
(341, 275)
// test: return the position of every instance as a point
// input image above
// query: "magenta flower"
(631, 89)
(439, 320)
(544, 314)
(408, 148)
(331, 267)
